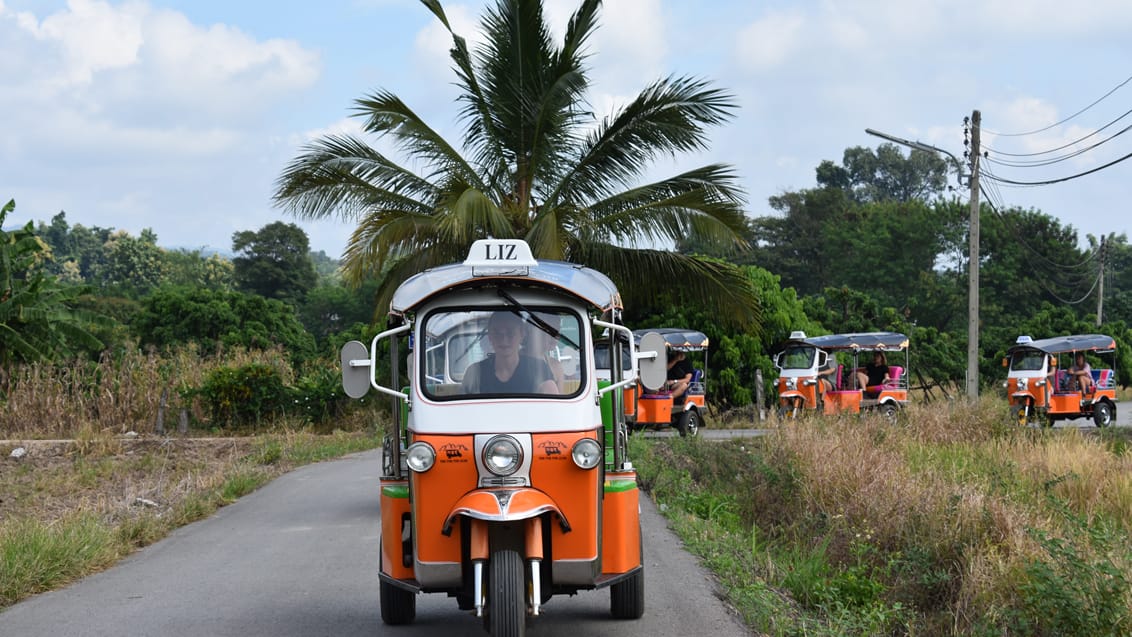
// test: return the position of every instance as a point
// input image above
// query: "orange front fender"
(501, 505)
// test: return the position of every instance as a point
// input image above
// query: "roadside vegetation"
(73, 508)
(948, 522)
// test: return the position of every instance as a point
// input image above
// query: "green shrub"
(1077, 592)
(245, 395)
(319, 397)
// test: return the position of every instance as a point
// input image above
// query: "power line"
(1054, 160)
(1056, 181)
(1042, 130)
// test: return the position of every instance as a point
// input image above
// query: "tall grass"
(948, 521)
(118, 393)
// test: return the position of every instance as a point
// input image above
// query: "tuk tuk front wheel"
(1102, 414)
(398, 606)
(627, 597)
(506, 602)
(1022, 415)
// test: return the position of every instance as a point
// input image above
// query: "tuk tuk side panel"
(394, 509)
(621, 525)
(1065, 403)
(846, 400)
(576, 491)
(435, 492)
(899, 395)
(654, 409)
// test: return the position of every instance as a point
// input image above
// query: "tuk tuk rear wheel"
(398, 606)
(1102, 414)
(627, 597)
(507, 600)
(688, 423)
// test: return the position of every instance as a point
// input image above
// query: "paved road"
(299, 557)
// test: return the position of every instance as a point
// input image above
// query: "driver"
(508, 370)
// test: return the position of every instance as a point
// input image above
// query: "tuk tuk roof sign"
(503, 264)
(677, 338)
(860, 340)
(1071, 343)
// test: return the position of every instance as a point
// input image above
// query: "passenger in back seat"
(1081, 375)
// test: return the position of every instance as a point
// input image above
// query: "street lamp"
(973, 267)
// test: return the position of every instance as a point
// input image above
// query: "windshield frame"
(557, 328)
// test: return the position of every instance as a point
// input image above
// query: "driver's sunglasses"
(503, 333)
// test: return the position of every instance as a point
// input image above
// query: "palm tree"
(534, 165)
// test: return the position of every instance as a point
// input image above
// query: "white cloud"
(91, 36)
(771, 41)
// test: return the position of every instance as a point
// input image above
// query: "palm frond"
(703, 203)
(667, 118)
(720, 287)
(344, 177)
(386, 114)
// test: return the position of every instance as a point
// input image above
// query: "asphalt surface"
(299, 557)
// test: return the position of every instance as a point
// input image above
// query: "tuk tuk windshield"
(798, 357)
(1027, 361)
(501, 352)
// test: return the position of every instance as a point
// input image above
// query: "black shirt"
(529, 375)
(680, 370)
(876, 373)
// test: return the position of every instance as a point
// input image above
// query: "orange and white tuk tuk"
(506, 484)
(802, 359)
(1039, 384)
(659, 409)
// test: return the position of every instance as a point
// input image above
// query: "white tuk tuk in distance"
(507, 480)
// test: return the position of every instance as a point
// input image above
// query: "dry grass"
(956, 484)
(70, 508)
(115, 395)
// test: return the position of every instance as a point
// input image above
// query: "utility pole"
(1100, 287)
(973, 268)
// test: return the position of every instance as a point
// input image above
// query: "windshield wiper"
(528, 316)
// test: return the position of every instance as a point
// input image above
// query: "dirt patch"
(110, 476)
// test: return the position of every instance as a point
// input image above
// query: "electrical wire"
(1048, 182)
(1054, 160)
(1042, 130)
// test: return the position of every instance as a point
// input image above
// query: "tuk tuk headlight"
(586, 453)
(502, 455)
(420, 456)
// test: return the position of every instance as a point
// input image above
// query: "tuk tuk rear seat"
(1103, 379)
(895, 376)
(696, 385)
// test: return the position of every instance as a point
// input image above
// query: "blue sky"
(179, 115)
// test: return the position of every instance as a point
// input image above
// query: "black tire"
(689, 422)
(1102, 414)
(627, 597)
(398, 606)
(889, 411)
(1022, 415)
(507, 599)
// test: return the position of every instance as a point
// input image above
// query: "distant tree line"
(878, 244)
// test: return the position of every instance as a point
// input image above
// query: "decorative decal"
(552, 449)
(454, 452)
